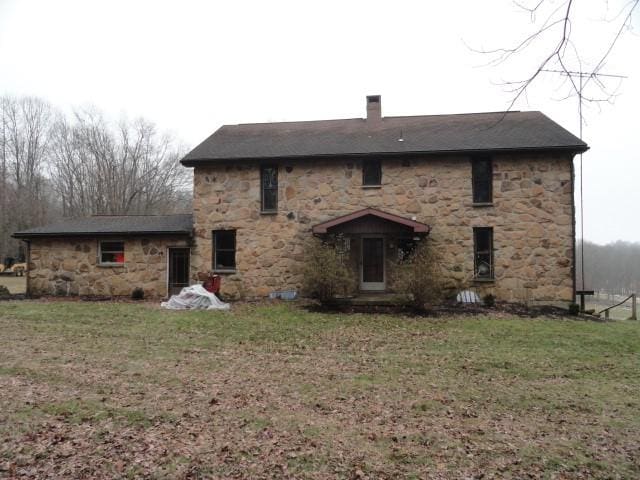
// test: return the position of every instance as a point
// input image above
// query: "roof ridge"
(383, 118)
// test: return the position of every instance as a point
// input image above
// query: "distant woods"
(613, 268)
(54, 165)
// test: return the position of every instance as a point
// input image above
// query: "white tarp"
(194, 297)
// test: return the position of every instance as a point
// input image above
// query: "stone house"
(492, 192)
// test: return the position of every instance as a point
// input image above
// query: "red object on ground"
(212, 283)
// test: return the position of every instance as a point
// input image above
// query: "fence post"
(634, 311)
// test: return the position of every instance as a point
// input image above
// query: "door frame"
(169, 261)
(373, 286)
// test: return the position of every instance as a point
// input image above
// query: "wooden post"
(634, 311)
(606, 314)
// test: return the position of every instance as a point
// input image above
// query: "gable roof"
(124, 225)
(475, 132)
(416, 226)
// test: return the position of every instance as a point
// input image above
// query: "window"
(224, 250)
(406, 246)
(269, 188)
(112, 253)
(483, 252)
(371, 173)
(482, 180)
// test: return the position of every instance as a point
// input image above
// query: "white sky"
(192, 66)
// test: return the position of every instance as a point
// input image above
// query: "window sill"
(484, 280)
(483, 204)
(225, 271)
(371, 186)
(110, 265)
(268, 212)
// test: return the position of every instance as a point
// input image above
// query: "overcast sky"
(192, 66)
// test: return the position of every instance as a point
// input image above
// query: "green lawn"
(117, 390)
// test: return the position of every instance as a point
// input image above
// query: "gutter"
(25, 235)
(194, 162)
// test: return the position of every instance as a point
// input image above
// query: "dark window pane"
(483, 252)
(269, 177)
(112, 246)
(224, 244)
(225, 260)
(111, 252)
(270, 200)
(226, 240)
(269, 188)
(371, 173)
(482, 180)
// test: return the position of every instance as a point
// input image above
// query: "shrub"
(489, 300)
(421, 276)
(574, 309)
(137, 294)
(325, 272)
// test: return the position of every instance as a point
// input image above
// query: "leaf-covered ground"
(117, 390)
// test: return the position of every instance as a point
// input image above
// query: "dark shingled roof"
(474, 132)
(124, 225)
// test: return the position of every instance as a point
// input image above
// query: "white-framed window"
(111, 252)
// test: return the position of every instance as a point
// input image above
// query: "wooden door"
(178, 275)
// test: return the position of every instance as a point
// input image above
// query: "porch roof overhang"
(417, 227)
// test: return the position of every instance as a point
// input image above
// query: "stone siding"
(532, 218)
(69, 266)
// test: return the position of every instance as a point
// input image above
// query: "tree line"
(55, 165)
(612, 269)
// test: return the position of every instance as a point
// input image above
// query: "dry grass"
(15, 285)
(106, 390)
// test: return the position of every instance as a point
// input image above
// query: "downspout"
(573, 230)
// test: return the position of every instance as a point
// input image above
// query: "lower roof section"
(355, 217)
(122, 225)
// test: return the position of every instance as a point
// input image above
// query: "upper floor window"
(482, 180)
(371, 173)
(224, 250)
(111, 253)
(269, 188)
(483, 252)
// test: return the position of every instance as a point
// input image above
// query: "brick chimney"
(374, 108)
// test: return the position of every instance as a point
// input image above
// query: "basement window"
(482, 180)
(483, 253)
(111, 253)
(224, 250)
(371, 173)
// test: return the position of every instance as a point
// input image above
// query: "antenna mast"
(581, 76)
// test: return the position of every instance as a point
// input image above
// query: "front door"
(178, 269)
(372, 270)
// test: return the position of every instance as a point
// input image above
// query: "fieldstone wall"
(532, 217)
(69, 266)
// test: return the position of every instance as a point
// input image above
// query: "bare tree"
(24, 144)
(126, 168)
(557, 51)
